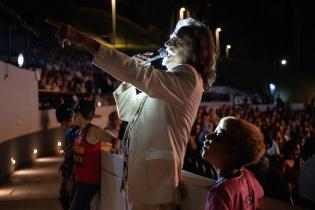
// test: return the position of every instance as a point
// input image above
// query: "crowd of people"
(64, 74)
(70, 72)
(289, 141)
(68, 76)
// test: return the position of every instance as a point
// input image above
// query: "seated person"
(306, 178)
(234, 144)
(290, 165)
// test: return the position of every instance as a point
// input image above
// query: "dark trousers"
(83, 195)
(65, 195)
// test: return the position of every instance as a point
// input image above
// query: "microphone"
(162, 54)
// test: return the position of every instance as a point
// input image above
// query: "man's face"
(178, 49)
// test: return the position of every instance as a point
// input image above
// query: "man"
(161, 116)
(64, 115)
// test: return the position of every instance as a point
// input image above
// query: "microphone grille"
(162, 52)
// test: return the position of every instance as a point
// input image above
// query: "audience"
(287, 136)
(64, 115)
(73, 73)
(306, 179)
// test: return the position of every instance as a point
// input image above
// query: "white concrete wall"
(23, 126)
(19, 113)
(19, 102)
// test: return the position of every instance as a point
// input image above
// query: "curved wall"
(23, 127)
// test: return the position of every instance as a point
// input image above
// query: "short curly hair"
(246, 136)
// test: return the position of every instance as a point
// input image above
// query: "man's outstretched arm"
(69, 34)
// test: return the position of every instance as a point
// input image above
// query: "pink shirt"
(241, 192)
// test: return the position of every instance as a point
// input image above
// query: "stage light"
(217, 41)
(20, 60)
(227, 50)
(99, 104)
(272, 88)
(283, 62)
(13, 161)
(35, 151)
(59, 143)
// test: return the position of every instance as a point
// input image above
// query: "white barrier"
(194, 189)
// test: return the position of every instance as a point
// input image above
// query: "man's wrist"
(90, 44)
(126, 85)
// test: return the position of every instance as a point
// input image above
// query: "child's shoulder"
(234, 183)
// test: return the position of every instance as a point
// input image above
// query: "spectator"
(234, 144)
(306, 179)
(64, 115)
(290, 164)
(87, 156)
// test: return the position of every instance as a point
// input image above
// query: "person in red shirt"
(87, 156)
(234, 144)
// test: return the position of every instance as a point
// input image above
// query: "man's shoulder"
(183, 68)
(188, 74)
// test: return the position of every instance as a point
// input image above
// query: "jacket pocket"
(159, 180)
(156, 154)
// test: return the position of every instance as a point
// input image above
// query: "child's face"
(216, 148)
(213, 147)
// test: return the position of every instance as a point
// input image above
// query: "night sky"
(260, 31)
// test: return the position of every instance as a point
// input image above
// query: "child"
(64, 115)
(234, 144)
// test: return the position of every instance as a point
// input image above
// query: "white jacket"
(161, 132)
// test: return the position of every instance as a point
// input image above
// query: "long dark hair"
(203, 50)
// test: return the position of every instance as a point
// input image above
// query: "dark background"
(261, 32)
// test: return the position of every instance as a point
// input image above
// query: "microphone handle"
(151, 59)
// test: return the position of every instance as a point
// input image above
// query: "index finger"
(147, 53)
(55, 23)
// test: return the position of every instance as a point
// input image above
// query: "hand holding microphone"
(145, 58)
